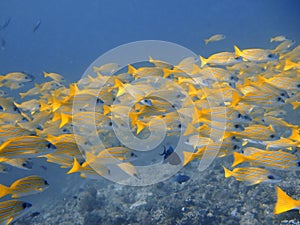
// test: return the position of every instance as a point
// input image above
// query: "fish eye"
(99, 101)
(298, 85)
(239, 115)
(49, 145)
(236, 126)
(1, 108)
(39, 127)
(46, 183)
(271, 177)
(26, 205)
(272, 135)
(235, 147)
(298, 163)
(110, 124)
(270, 56)
(179, 125)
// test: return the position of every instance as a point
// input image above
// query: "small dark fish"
(5, 24)
(181, 178)
(170, 156)
(37, 25)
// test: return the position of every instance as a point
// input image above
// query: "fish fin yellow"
(44, 106)
(206, 41)
(140, 126)
(295, 105)
(117, 83)
(192, 90)
(4, 190)
(131, 69)
(46, 74)
(64, 119)
(56, 104)
(73, 89)
(167, 72)
(295, 135)
(106, 110)
(289, 64)
(75, 168)
(238, 159)
(190, 129)
(227, 172)
(284, 202)
(203, 61)
(4, 144)
(238, 52)
(187, 157)
(236, 98)
(22, 95)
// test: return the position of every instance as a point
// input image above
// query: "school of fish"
(257, 86)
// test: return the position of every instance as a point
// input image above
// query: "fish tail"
(192, 90)
(284, 202)
(167, 72)
(56, 104)
(187, 157)
(190, 130)
(106, 110)
(203, 61)
(44, 106)
(295, 105)
(73, 89)
(238, 159)
(295, 135)
(288, 65)
(236, 98)
(227, 172)
(131, 69)
(4, 191)
(46, 74)
(65, 118)
(140, 126)
(4, 144)
(238, 52)
(75, 168)
(22, 95)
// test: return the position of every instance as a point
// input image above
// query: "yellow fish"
(221, 59)
(252, 175)
(11, 210)
(24, 186)
(24, 147)
(279, 38)
(271, 159)
(254, 54)
(285, 203)
(216, 37)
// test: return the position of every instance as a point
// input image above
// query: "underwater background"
(72, 34)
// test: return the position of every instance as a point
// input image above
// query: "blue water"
(74, 33)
